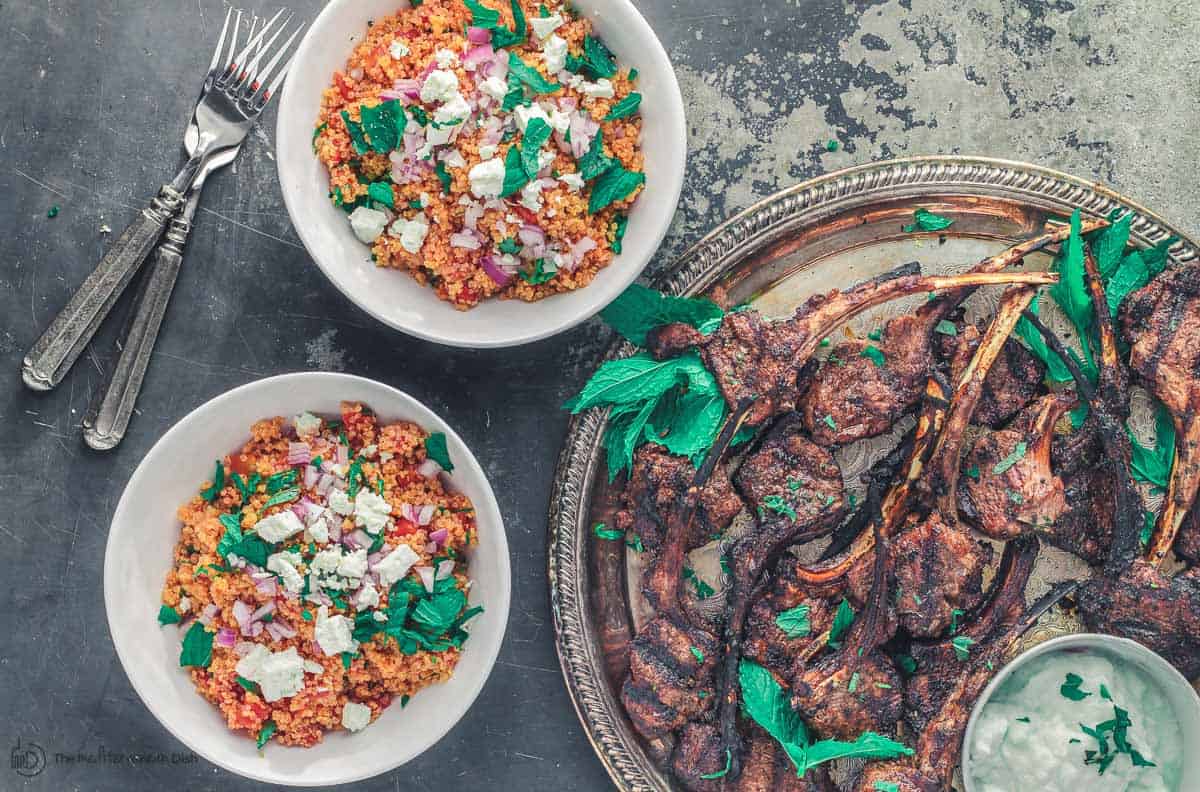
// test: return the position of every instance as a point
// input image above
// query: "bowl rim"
(518, 333)
(1123, 646)
(500, 607)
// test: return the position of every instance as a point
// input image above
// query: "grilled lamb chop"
(1161, 322)
(931, 768)
(1014, 381)
(657, 481)
(1188, 544)
(765, 643)
(766, 767)
(753, 359)
(856, 398)
(1009, 488)
(671, 662)
(938, 663)
(858, 688)
(1086, 527)
(795, 487)
(938, 566)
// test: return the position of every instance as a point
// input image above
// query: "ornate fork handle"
(108, 418)
(52, 355)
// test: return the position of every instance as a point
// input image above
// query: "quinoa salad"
(489, 149)
(321, 575)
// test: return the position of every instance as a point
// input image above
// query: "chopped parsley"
(962, 646)
(1015, 456)
(874, 353)
(946, 327)
(720, 773)
(832, 424)
(52, 212)
(265, 734)
(539, 275)
(696, 653)
(1023, 719)
(247, 684)
(510, 246)
(610, 534)
(443, 176)
(529, 76)
(777, 504)
(1118, 728)
(925, 220)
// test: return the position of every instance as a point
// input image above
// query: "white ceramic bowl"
(391, 296)
(139, 553)
(1181, 695)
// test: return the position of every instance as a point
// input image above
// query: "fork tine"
(257, 38)
(263, 95)
(231, 67)
(250, 81)
(216, 58)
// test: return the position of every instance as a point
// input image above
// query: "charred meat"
(938, 570)
(1014, 381)
(1008, 488)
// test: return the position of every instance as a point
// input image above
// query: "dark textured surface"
(93, 106)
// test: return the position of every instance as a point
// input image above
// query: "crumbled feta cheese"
(371, 511)
(573, 180)
(445, 58)
(509, 262)
(560, 121)
(488, 150)
(494, 87)
(531, 195)
(386, 456)
(554, 53)
(453, 109)
(313, 667)
(279, 526)
(545, 25)
(454, 159)
(185, 605)
(367, 224)
(318, 523)
(398, 49)
(545, 158)
(368, 597)
(278, 674)
(306, 424)
(396, 564)
(525, 113)
(487, 178)
(354, 564)
(423, 199)
(340, 502)
(334, 633)
(411, 232)
(325, 562)
(379, 616)
(435, 136)
(439, 86)
(355, 716)
(284, 564)
(601, 89)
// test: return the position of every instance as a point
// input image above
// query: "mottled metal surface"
(829, 232)
(96, 95)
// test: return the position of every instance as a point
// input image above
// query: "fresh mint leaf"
(962, 647)
(615, 184)
(1014, 456)
(635, 379)
(842, 619)
(875, 354)
(443, 176)
(598, 59)
(482, 16)
(626, 426)
(530, 76)
(283, 496)
(537, 132)
(265, 733)
(168, 615)
(197, 647)
(1056, 370)
(218, 483)
(503, 37)
(620, 224)
(384, 125)
(514, 172)
(1071, 292)
(1153, 466)
(435, 449)
(868, 745)
(538, 275)
(795, 622)
(764, 701)
(640, 309)
(357, 139)
(594, 161)
(625, 108)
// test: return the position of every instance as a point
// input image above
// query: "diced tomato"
(526, 215)
(343, 85)
(241, 464)
(403, 527)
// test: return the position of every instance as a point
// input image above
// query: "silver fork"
(234, 93)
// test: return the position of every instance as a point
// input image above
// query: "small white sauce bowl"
(1185, 704)
(391, 295)
(140, 549)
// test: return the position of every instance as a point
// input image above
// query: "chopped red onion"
(439, 536)
(243, 648)
(502, 278)
(243, 614)
(583, 129)
(429, 468)
(262, 611)
(226, 637)
(374, 559)
(357, 538)
(581, 248)
(426, 575)
(431, 548)
(267, 586)
(532, 235)
(299, 453)
(478, 35)
(206, 616)
(300, 511)
(410, 88)
(280, 630)
(477, 56)
(472, 214)
(325, 484)
(444, 569)
(426, 514)
(335, 529)
(311, 475)
(465, 239)
(343, 455)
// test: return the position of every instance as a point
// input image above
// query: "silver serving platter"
(831, 231)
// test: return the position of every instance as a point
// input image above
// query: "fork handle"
(106, 421)
(52, 355)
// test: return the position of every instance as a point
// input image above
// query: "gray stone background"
(93, 102)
